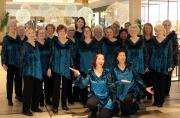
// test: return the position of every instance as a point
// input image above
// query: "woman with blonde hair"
(171, 35)
(161, 63)
(10, 60)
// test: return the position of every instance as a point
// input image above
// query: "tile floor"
(171, 108)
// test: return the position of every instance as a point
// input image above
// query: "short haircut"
(61, 27)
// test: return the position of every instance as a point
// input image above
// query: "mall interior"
(38, 13)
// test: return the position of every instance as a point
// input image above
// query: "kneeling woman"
(128, 85)
(99, 80)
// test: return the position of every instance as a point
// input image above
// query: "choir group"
(108, 70)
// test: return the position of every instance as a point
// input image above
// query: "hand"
(146, 70)
(76, 72)
(170, 69)
(5, 67)
(49, 73)
(149, 90)
(125, 81)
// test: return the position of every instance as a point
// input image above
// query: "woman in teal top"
(60, 61)
(99, 80)
(128, 85)
(32, 74)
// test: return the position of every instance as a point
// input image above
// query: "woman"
(86, 51)
(60, 61)
(50, 37)
(99, 80)
(10, 60)
(79, 25)
(171, 35)
(110, 47)
(136, 50)
(99, 37)
(161, 64)
(148, 37)
(123, 37)
(32, 74)
(128, 85)
(44, 48)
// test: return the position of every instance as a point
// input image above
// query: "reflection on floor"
(171, 108)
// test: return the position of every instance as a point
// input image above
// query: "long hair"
(83, 37)
(150, 25)
(82, 20)
(94, 60)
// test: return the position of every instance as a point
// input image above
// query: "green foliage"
(4, 21)
(139, 23)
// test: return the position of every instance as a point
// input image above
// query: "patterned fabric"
(44, 55)
(162, 56)
(10, 51)
(99, 87)
(137, 55)
(31, 61)
(85, 55)
(173, 37)
(109, 49)
(61, 58)
(136, 86)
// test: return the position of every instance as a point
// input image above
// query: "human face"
(159, 32)
(13, 28)
(133, 32)
(147, 29)
(21, 30)
(41, 34)
(98, 32)
(80, 23)
(31, 35)
(121, 57)
(62, 33)
(109, 33)
(167, 26)
(50, 30)
(100, 60)
(71, 31)
(87, 33)
(123, 35)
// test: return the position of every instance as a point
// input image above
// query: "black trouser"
(128, 106)
(31, 93)
(84, 96)
(47, 92)
(168, 84)
(76, 93)
(48, 87)
(159, 85)
(64, 92)
(92, 106)
(148, 80)
(13, 74)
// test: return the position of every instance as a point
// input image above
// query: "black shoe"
(10, 103)
(65, 108)
(37, 110)
(27, 113)
(55, 110)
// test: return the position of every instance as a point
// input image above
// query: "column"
(134, 10)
